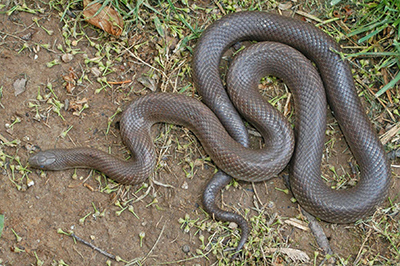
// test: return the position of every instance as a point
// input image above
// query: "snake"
(287, 48)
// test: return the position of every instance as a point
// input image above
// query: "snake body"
(341, 206)
(223, 135)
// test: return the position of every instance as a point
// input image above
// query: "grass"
(379, 30)
(159, 36)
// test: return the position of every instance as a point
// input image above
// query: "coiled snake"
(339, 206)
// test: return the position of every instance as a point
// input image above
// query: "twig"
(158, 239)
(257, 197)
(119, 82)
(128, 50)
(162, 184)
(390, 134)
(309, 16)
(358, 258)
(6, 141)
(93, 246)
(220, 7)
(298, 224)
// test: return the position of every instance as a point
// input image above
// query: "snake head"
(44, 160)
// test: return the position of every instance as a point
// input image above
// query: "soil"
(57, 201)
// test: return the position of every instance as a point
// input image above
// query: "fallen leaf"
(103, 17)
(27, 37)
(150, 83)
(95, 71)
(295, 254)
(70, 80)
(77, 105)
(70, 87)
(19, 86)
(285, 6)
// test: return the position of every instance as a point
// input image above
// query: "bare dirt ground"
(35, 213)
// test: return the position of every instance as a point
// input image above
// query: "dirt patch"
(90, 205)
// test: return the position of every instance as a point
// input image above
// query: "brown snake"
(339, 206)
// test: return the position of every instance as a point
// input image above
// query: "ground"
(162, 220)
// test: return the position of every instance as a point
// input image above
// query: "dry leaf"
(150, 83)
(70, 80)
(77, 105)
(294, 254)
(390, 134)
(108, 19)
(19, 86)
(285, 6)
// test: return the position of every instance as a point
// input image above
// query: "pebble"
(270, 205)
(30, 183)
(233, 225)
(185, 185)
(186, 248)
(66, 58)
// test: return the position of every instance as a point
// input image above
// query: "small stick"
(158, 239)
(220, 7)
(93, 246)
(257, 197)
(5, 141)
(358, 258)
(119, 82)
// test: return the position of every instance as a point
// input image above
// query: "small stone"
(233, 225)
(186, 248)
(185, 185)
(30, 183)
(66, 58)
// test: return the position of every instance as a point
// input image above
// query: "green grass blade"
(159, 27)
(1, 223)
(388, 86)
(367, 28)
(375, 32)
(372, 54)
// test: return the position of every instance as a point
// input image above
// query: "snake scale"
(222, 133)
